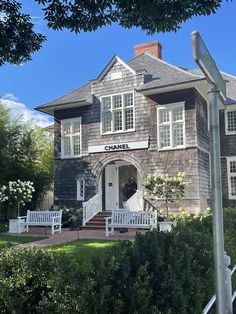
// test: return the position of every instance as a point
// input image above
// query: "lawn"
(14, 239)
(84, 249)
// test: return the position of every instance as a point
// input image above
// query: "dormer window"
(117, 113)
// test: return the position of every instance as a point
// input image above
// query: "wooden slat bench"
(42, 218)
(130, 219)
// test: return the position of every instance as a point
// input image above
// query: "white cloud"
(19, 109)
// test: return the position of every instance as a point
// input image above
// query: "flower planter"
(15, 226)
(166, 225)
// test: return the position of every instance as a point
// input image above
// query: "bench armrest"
(20, 217)
(56, 218)
(108, 218)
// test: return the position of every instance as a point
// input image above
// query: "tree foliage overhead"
(18, 40)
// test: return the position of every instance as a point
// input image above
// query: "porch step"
(98, 221)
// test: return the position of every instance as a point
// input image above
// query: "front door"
(116, 177)
(111, 182)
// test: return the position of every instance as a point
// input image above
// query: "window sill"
(230, 133)
(70, 157)
(232, 198)
(170, 148)
(118, 132)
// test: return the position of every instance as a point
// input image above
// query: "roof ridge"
(230, 75)
(171, 65)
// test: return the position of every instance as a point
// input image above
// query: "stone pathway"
(67, 236)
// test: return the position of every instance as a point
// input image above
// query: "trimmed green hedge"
(158, 273)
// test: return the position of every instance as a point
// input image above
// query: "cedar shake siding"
(153, 84)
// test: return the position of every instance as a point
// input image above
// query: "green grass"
(14, 240)
(83, 249)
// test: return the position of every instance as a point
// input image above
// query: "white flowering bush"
(3, 194)
(166, 187)
(17, 193)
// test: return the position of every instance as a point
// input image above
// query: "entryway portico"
(114, 180)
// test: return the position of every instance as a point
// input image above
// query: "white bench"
(42, 218)
(130, 219)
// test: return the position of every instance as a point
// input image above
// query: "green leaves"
(18, 40)
(166, 187)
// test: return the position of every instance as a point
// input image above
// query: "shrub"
(35, 281)
(72, 217)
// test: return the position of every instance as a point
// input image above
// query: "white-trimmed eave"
(201, 85)
(108, 67)
(51, 109)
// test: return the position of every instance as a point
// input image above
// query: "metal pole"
(218, 235)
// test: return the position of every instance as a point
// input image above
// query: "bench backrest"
(137, 218)
(43, 216)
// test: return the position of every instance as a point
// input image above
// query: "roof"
(158, 73)
(81, 94)
(230, 81)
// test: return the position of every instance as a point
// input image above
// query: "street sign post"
(208, 66)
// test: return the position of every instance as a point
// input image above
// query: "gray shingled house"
(139, 117)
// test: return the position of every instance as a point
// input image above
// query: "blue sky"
(67, 61)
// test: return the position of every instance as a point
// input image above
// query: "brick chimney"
(154, 47)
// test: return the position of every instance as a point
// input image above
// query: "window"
(117, 113)
(231, 165)
(80, 189)
(71, 138)
(230, 120)
(171, 126)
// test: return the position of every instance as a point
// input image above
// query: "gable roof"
(113, 60)
(158, 73)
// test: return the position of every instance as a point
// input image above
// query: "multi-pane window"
(230, 120)
(80, 189)
(117, 113)
(171, 124)
(71, 137)
(231, 163)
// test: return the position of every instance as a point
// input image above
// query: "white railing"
(230, 296)
(128, 219)
(135, 203)
(92, 207)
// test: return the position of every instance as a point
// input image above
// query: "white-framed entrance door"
(116, 177)
(111, 185)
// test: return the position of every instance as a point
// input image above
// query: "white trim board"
(114, 147)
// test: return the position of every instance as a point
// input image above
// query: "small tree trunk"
(167, 210)
(18, 210)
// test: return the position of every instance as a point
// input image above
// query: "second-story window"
(231, 166)
(171, 126)
(117, 113)
(230, 120)
(71, 138)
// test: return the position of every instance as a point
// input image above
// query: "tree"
(166, 188)
(18, 40)
(26, 153)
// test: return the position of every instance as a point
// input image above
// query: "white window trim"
(79, 197)
(62, 142)
(123, 110)
(229, 108)
(168, 106)
(229, 175)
